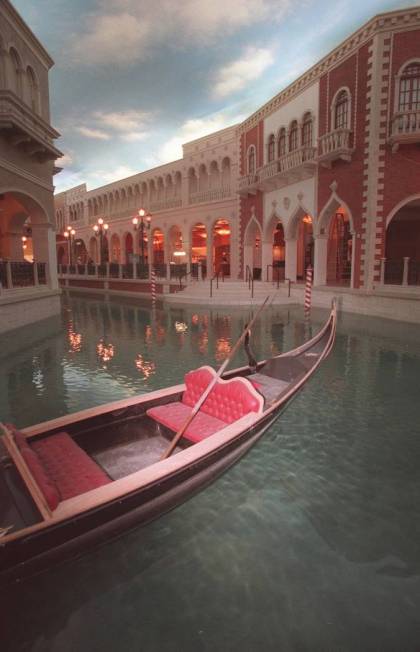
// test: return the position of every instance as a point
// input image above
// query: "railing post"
(200, 272)
(405, 270)
(120, 270)
(96, 270)
(382, 276)
(9, 274)
(134, 269)
(107, 269)
(36, 278)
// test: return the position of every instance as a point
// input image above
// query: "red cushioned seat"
(228, 401)
(174, 415)
(68, 466)
(48, 487)
(60, 467)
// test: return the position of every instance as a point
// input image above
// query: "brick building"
(327, 174)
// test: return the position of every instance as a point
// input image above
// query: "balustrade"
(22, 274)
(213, 194)
(402, 271)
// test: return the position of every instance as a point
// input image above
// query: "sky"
(134, 79)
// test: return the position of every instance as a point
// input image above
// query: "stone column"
(291, 258)
(267, 259)
(44, 247)
(382, 280)
(406, 260)
(210, 270)
(320, 259)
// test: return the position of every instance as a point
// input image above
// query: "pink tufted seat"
(228, 401)
(60, 467)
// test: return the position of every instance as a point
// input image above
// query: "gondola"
(73, 482)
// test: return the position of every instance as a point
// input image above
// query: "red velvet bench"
(60, 467)
(227, 402)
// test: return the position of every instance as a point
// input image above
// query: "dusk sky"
(133, 80)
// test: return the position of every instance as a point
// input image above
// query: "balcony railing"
(213, 194)
(21, 274)
(402, 271)
(335, 145)
(134, 271)
(164, 204)
(28, 127)
(295, 165)
(248, 184)
(405, 128)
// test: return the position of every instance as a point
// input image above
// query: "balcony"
(293, 166)
(405, 129)
(27, 129)
(214, 194)
(165, 204)
(334, 146)
(248, 185)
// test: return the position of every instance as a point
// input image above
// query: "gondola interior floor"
(131, 456)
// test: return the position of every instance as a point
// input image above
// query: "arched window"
(341, 110)
(409, 95)
(281, 145)
(307, 130)
(33, 89)
(15, 68)
(251, 160)
(271, 148)
(293, 136)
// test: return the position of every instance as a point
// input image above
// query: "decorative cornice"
(10, 167)
(392, 21)
(16, 21)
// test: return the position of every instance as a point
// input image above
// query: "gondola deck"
(132, 484)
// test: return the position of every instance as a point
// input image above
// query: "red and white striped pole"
(308, 290)
(153, 286)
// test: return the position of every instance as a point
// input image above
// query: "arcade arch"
(402, 241)
(253, 249)
(221, 246)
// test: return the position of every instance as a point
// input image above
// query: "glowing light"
(180, 253)
(223, 348)
(146, 367)
(100, 221)
(105, 351)
(307, 219)
(75, 340)
(223, 231)
(180, 327)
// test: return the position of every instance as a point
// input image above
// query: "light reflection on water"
(311, 542)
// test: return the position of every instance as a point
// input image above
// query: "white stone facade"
(27, 155)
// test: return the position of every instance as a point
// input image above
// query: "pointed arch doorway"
(253, 250)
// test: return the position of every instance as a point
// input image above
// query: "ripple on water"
(311, 542)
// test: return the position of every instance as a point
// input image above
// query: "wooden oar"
(207, 391)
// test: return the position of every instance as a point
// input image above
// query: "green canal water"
(310, 543)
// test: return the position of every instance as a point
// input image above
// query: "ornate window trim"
(343, 89)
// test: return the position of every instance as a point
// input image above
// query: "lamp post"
(142, 222)
(100, 229)
(69, 235)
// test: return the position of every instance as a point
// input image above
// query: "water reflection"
(147, 367)
(105, 351)
(75, 339)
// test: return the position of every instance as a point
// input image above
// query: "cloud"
(192, 129)
(130, 120)
(134, 136)
(111, 38)
(64, 161)
(122, 33)
(237, 74)
(102, 177)
(93, 133)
